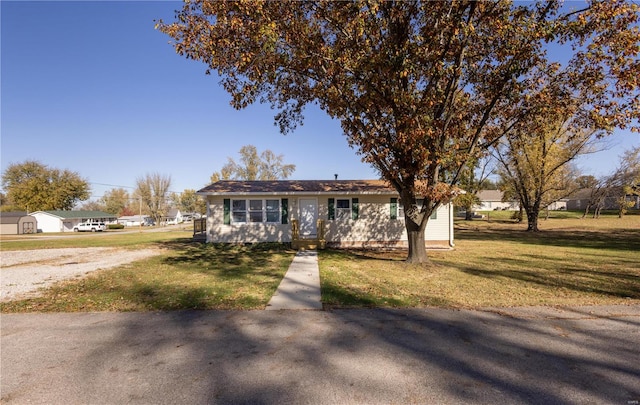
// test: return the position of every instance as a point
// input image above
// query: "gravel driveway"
(24, 272)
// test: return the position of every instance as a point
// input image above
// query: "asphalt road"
(423, 356)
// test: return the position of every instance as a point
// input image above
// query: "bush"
(115, 226)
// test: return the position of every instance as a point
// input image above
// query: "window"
(343, 209)
(239, 211)
(255, 211)
(273, 210)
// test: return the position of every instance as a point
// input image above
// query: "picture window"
(255, 211)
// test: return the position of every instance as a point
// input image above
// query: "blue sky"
(92, 87)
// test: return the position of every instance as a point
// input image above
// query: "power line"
(133, 188)
(112, 185)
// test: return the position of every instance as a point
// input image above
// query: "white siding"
(217, 231)
(373, 226)
(47, 222)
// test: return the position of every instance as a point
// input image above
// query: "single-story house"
(64, 221)
(17, 223)
(491, 200)
(336, 213)
(135, 220)
(174, 216)
(190, 216)
(583, 197)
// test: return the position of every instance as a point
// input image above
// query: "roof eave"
(294, 193)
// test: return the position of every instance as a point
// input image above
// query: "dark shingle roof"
(299, 187)
(12, 217)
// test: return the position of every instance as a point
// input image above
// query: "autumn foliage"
(419, 87)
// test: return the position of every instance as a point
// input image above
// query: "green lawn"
(571, 262)
(495, 263)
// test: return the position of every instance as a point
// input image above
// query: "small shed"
(17, 223)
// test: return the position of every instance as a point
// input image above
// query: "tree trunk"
(532, 220)
(468, 215)
(417, 249)
(415, 238)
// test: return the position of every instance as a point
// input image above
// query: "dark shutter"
(285, 210)
(355, 210)
(332, 209)
(394, 208)
(227, 211)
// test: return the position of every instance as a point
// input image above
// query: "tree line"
(537, 174)
(33, 186)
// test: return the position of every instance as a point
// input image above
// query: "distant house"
(17, 223)
(65, 221)
(339, 213)
(174, 216)
(135, 220)
(583, 197)
(561, 204)
(492, 200)
(190, 216)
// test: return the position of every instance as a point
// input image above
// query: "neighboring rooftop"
(12, 217)
(79, 214)
(490, 195)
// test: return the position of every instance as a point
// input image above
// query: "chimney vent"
(336, 176)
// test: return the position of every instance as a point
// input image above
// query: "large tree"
(34, 186)
(536, 161)
(117, 201)
(188, 201)
(419, 87)
(253, 166)
(153, 189)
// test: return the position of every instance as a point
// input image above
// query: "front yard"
(571, 262)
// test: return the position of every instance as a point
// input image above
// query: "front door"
(308, 217)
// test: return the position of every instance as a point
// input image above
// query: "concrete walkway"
(300, 287)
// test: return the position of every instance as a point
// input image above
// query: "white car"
(90, 227)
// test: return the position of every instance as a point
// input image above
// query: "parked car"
(90, 227)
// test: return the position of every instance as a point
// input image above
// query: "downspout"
(451, 244)
(207, 228)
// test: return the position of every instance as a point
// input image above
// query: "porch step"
(308, 244)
